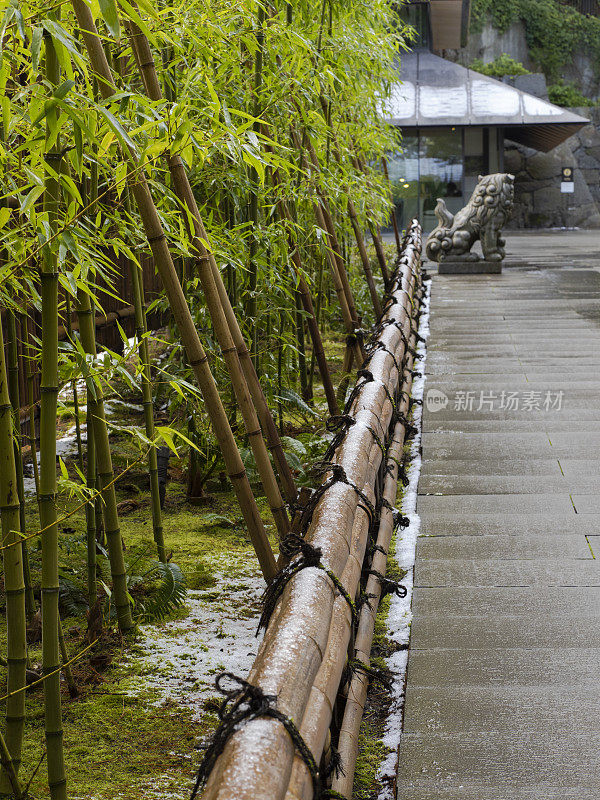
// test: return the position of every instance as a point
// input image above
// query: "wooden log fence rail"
(276, 740)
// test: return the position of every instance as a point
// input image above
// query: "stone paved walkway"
(503, 688)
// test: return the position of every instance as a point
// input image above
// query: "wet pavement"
(503, 686)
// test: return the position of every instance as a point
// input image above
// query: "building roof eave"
(434, 92)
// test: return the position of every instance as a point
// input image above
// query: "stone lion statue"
(482, 218)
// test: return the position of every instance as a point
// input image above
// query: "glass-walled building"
(440, 162)
(452, 121)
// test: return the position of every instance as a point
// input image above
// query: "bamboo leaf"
(33, 195)
(4, 216)
(117, 128)
(59, 94)
(37, 36)
(108, 9)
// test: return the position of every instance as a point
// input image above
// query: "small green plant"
(553, 30)
(499, 67)
(568, 95)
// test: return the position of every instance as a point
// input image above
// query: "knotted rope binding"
(242, 704)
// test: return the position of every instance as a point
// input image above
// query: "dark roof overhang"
(434, 92)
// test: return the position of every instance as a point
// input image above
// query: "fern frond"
(168, 594)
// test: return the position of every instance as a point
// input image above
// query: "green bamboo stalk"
(68, 672)
(219, 307)
(69, 327)
(14, 586)
(251, 303)
(394, 220)
(97, 420)
(90, 516)
(184, 192)
(15, 399)
(144, 356)
(47, 498)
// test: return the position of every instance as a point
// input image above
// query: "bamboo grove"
(241, 147)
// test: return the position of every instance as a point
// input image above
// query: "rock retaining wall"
(539, 202)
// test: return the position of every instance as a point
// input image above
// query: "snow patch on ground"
(182, 657)
(400, 614)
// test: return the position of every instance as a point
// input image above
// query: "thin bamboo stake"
(306, 609)
(189, 335)
(148, 405)
(68, 672)
(57, 781)
(217, 309)
(307, 303)
(359, 240)
(96, 418)
(394, 220)
(9, 769)
(14, 589)
(330, 227)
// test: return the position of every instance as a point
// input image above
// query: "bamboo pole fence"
(281, 717)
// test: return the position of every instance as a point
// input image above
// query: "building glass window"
(440, 172)
(426, 166)
(417, 16)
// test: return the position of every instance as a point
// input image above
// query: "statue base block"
(451, 267)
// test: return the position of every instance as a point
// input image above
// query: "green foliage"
(554, 31)
(568, 95)
(501, 66)
(157, 589)
(165, 591)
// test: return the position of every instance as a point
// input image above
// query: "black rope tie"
(338, 425)
(355, 665)
(308, 556)
(400, 521)
(388, 586)
(409, 429)
(243, 704)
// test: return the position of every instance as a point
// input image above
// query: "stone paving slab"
(510, 445)
(483, 792)
(567, 467)
(524, 601)
(533, 630)
(503, 683)
(501, 666)
(497, 572)
(474, 524)
(483, 424)
(450, 484)
(505, 546)
(511, 760)
(559, 503)
(492, 708)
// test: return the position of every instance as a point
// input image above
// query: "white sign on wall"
(567, 185)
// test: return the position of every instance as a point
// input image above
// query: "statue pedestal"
(451, 267)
